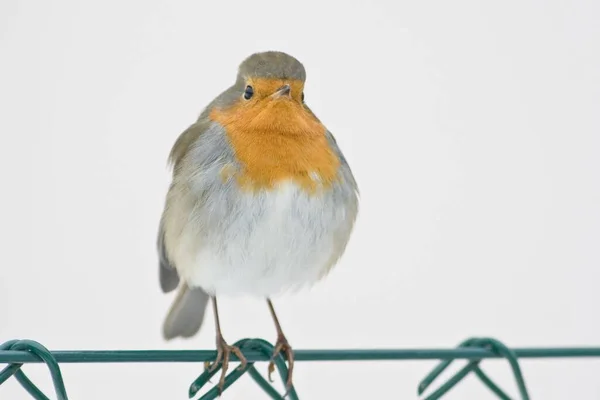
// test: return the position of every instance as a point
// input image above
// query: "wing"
(346, 171)
(168, 276)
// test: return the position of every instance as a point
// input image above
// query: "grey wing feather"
(186, 314)
(168, 276)
(346, 171)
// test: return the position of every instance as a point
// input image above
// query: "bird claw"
(224, 351)
(282, 345)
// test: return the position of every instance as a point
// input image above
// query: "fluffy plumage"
(262, 199)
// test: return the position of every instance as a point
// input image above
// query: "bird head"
(267, 98)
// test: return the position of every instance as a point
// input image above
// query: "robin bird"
(261, 201)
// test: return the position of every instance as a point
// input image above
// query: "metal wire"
(19, 352)
(186, 356)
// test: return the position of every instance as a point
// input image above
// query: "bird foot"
(224, 351)
(282, 345)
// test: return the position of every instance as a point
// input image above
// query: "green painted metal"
(494, 346)
(15, 353)
(44, 355)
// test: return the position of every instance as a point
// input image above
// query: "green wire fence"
(15, 353)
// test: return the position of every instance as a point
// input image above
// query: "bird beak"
(285, 90)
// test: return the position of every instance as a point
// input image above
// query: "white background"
(473, 130)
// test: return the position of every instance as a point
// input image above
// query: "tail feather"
(186, 314)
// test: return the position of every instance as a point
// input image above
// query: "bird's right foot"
(224, 351)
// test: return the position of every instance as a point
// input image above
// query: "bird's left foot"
(282, 345)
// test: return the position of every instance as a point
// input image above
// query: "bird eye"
(249, 92)
(302, 96)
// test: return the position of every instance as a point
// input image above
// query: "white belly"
(269, 242)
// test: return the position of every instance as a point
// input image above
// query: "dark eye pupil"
(249, 92)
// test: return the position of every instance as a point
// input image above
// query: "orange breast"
(276, 140)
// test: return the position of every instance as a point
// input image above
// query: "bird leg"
(281, 345)
(224, 351)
